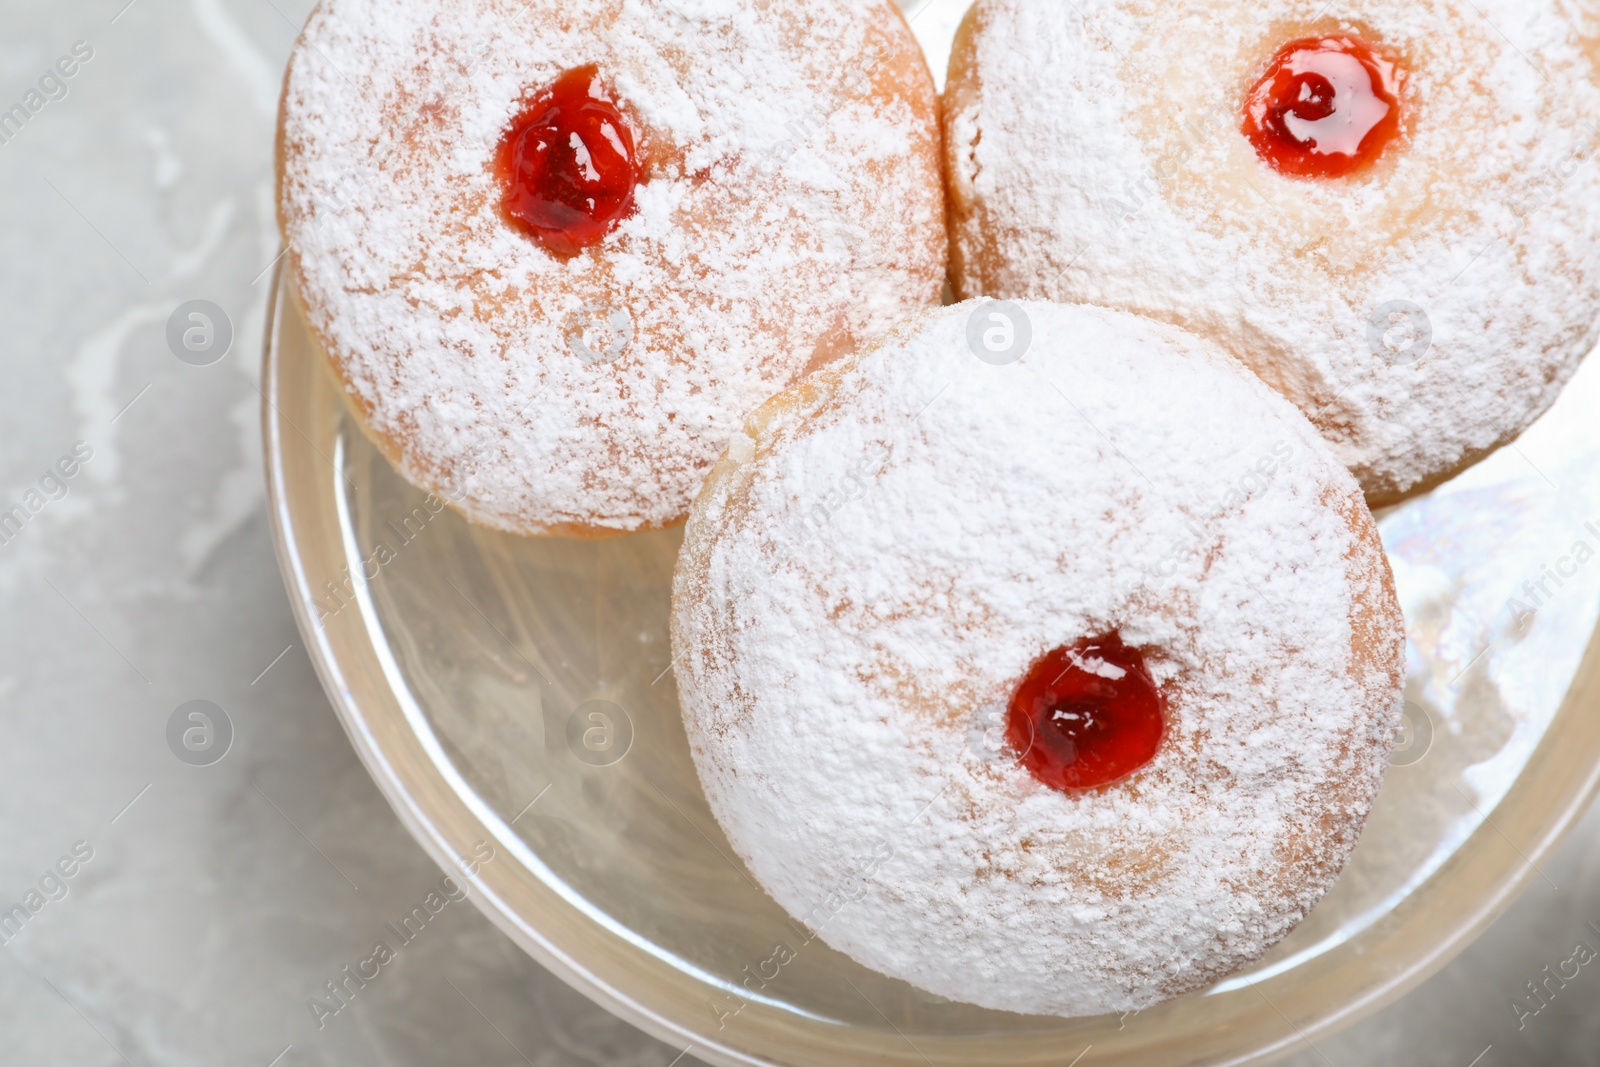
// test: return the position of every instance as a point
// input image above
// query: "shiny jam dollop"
(1326, 107)
(1086, 715)
(569, 164)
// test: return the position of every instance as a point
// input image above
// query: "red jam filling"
(1326, 107)
(1086, 715)
(569, 164)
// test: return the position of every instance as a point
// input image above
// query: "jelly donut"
(1388, 212)
(555, 250)
(1060, 685)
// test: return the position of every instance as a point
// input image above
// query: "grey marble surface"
(216, 899)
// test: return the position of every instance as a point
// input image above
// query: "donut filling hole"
(569, 164)
(1086, 715)
(1326, 107)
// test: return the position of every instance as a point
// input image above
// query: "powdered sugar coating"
(1095, 154)
(863, 584)
(792, 208)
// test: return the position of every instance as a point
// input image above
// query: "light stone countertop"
(215, 900)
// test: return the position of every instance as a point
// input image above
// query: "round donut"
(1421, 308)
(875, 575)
(784, 204)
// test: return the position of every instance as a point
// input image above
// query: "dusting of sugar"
(1096, 156)
(1099, 667)
(794, 209)
(904, 535)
